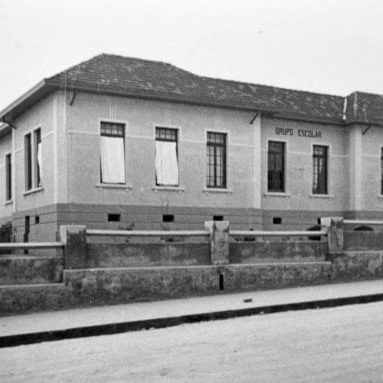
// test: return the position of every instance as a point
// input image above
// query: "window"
(216, 160)
(276, 167)
(8, 177)
(320, 169)
(166, 157)
(112, 153)
(37, 156)
(28, 161)
(33, 159)
(381, 170)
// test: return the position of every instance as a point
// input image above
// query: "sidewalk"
(45, 326)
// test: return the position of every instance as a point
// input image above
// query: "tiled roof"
(126, 76)
(153, 79)
(365, 108)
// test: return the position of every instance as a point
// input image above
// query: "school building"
(119, 142)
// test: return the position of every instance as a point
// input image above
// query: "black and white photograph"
(191, 191)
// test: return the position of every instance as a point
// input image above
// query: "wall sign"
(298, 132)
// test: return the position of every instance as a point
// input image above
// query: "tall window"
(276, 167)
(8, 177)
(37, 157)
(166, 157)
(28, 161)
(33, 159)
(112, 153)
(320, 169)
(381, 171)
(216, 160)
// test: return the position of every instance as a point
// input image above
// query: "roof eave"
(25, 101)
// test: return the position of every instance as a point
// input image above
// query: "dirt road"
(332, 345)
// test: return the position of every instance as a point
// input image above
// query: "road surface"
(342, 344)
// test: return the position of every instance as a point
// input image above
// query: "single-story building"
(119, 142)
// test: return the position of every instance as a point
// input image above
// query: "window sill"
(113, 186)
(33, 191)
(325, 196)
(277, 194)
(9, 202)
(380, 197)
(179, 189)
(218, 190)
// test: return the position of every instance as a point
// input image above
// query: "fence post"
(219, 241)
(75, 251)
(334, 227)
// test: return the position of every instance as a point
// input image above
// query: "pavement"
(92, 321)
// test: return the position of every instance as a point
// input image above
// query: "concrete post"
(75, 251)
(334, 227)
(219, 241)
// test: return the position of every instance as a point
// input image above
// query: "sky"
(326, 46)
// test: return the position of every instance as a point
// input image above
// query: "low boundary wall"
(224, 261)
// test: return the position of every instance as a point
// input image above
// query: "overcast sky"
(328, 46)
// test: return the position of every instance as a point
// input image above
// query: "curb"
(157, 323)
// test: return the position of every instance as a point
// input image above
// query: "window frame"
(381, 171)
(28, 162)
(32, 170)
(284, 162)
(8, 177)
(224, 145)
(123, 136)
(313, 157)
(177, 131)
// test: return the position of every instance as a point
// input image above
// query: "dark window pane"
(216, 160)
(276, 167)
(320, 169)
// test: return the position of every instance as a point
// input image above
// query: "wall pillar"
(219, 241)
(75, 250)
(334, 226)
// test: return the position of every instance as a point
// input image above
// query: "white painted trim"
(277, 194)
(33, 191)
(168, 188)
(227, 191)
(113, 186)
(321, 196)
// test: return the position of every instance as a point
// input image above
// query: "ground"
(331, 345)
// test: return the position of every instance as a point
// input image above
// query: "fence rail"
(148, 233)
(195, 233)
(251, 233)
(30, 245)
(361, 222)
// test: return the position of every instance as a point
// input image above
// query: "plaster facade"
(72, 192)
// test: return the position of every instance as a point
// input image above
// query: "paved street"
(332, 345)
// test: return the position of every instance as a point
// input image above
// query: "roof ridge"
(272, 86)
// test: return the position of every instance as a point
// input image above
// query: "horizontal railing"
(159, 233)
(30, 245)
(148, 233)
(253, 233)
(361, 222)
